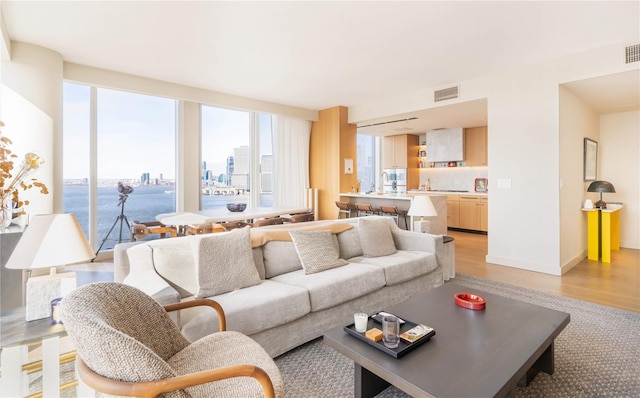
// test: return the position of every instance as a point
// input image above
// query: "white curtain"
(291, 138)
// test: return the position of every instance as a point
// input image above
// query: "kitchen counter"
(466, 193)
(438, 224)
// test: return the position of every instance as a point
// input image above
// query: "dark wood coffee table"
(482, 353)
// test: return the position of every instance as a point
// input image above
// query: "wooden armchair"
(128, 346)
(140, 230)
(300, 217)
(200, 229)
(267, 221)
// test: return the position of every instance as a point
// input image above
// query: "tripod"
(120, 218)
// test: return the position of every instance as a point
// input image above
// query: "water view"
(144, 204)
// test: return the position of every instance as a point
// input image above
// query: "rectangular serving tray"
(397, 352)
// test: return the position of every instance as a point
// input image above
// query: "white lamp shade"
(51, 240)
(421, 206)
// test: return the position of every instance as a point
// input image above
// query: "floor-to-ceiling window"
(233, 142)
(119, 160)
(226, 156)
(267, 176)
(366, 162)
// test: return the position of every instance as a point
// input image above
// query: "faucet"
(385, 176)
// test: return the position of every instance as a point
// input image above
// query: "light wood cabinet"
(400, 152)
(475, 146)
(469, 212)
(453, 211)
(473, 213)
(484, 214)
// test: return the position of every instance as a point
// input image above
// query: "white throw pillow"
(318, 250)
(224, 262)
(375, 237)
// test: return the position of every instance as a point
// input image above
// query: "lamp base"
(41, 290)
(423, 226)
(601, 204)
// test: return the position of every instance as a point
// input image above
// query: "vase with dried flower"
(11, 182)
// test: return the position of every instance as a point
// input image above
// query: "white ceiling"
(317, 55)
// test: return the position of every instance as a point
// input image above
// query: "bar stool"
(343, 208)
(394, 212)
(366, 209)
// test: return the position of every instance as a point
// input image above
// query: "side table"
(603, 232)
(16, 336)
(449, 268)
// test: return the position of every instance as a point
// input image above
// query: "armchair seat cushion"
(231, 348)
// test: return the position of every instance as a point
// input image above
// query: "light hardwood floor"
(614, 285)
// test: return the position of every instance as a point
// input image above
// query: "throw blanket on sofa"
(260, 236)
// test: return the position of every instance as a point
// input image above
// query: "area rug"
(597, 354)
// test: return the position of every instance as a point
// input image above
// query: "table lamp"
(601, 186)
(423, 207)
(49, 241)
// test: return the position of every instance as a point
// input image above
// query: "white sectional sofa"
(280, 304)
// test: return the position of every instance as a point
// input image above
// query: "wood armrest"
(222, 320)
(150, 389)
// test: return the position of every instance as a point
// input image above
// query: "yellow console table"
(603, 232)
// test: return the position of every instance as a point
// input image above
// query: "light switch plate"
(504, 182)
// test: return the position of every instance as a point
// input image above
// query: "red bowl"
(470, 301)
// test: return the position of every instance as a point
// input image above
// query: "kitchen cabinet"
(475, 146)
(453, 211)
(400, 152)
(473, 213)
(484, 214)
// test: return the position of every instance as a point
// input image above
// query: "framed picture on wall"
(590, 159)
(481, 185)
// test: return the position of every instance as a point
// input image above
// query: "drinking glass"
(390, 331)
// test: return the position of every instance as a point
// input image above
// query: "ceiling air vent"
(632, 53)
(446, 94)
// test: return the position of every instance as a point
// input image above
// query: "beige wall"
(31, 108)
(577, 121)
(619, 152)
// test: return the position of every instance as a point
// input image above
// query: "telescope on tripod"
(124, 191)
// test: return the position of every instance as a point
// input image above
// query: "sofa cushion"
(173, 261)
(249, 310)
(318, 250)
(224, 262)
(375, 237)
(337, 285)
(401, 266)
(279, 258)
(349, 242)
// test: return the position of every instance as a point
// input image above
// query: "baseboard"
(572, 263)
(513, 263)
(630, 245)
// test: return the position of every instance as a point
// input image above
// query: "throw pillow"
(224, 262)
(318, 250)
(375, 237)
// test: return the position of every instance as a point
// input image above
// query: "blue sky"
(136, 134)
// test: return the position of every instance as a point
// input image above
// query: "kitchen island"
(438, 224)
